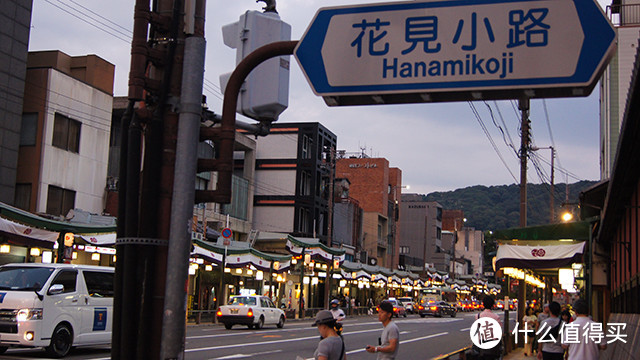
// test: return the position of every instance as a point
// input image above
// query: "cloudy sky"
(439, 147)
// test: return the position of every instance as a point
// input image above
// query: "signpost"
(426, 51)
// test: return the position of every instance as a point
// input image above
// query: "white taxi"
(254, 311)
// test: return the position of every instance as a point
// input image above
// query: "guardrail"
(460, 352)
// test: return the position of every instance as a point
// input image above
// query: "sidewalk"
(518, 354)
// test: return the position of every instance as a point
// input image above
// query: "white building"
(64, 140)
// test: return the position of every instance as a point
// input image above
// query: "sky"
(438, 146)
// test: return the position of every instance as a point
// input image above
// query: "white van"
(55, 306)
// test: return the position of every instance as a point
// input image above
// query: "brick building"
(377, 188)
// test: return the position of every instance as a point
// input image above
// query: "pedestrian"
(487, 303)
(549, 347)
(565, 315)
(337, 313)
(496, 351)
(544, 315)
(530, 320)
(389, 342)
(586, 348)
(331, 345)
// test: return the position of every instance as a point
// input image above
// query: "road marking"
(240, 356)
(404, 341)
(465, 329)
(273, 341)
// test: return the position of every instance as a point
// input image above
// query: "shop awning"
(318, 251)
(26, 229)
(240, 254)
(539, 256)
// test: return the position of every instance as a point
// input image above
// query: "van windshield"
(24, 278)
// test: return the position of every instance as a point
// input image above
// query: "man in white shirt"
(585, 348)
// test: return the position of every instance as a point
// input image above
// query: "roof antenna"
(270, 5)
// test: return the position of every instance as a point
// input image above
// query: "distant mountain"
(498, 207)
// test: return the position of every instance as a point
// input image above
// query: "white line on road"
(240, 356)
(404, 341)
(273, 341)
(465, 329)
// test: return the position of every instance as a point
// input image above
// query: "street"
(420, 338)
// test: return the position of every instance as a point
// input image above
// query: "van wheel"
(228, 326)
(3, 349)
(61, 341)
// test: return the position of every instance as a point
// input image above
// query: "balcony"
(624, 15)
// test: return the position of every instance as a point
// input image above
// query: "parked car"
(398, 309)
(254, 311)
(407, 302)
(55, 306)
(437, 308)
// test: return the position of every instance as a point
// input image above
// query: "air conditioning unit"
(373, 261)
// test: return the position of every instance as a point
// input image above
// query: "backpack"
(553, 332)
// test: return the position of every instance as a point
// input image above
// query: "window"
(404, 250)
(305, 183)
(66, 133)
(99, 284)
(306, 149)
(67, 279)
(22, 197)
(60, 201)
(29, 129)
(303, 220)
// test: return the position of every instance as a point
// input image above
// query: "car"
(254, 311)
(436, 308)
(55, 306)
(408, 304)
(398, 309)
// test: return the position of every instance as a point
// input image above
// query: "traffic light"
(265, 93)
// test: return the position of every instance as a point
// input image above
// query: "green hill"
(498, 207)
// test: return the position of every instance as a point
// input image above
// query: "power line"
(493, 144)
(128, 41)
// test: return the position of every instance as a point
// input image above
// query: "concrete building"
(421, 233)
(15, 17)
(377, 188)
(292, 182)
(347, 222)
(64, 140)
(615, 82)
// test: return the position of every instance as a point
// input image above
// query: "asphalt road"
(420, 338)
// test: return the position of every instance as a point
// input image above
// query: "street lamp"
(567, 216)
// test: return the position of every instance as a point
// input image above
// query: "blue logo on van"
(2, 295)
(99, 319)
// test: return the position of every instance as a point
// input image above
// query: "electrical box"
(265, 92)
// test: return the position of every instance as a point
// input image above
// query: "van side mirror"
(56, 289)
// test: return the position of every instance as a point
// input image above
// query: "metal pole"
(173, 325)
(553, 155)
(524, 147)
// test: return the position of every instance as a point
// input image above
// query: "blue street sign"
(226, 233)
(422, 51)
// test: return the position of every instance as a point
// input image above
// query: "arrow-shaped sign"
(450, 50)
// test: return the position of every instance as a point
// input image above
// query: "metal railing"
(624, 15)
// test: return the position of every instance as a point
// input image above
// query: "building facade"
(615, 82)
(15, 17)
(293, 180)
(421, 233)
(377, 188)
(64, 141)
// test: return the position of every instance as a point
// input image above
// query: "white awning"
(539, 256)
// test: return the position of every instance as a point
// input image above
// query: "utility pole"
(524, 148)
(552, 191)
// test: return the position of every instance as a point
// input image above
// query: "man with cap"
(389, 342)
(338, 313)
(331, 347)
